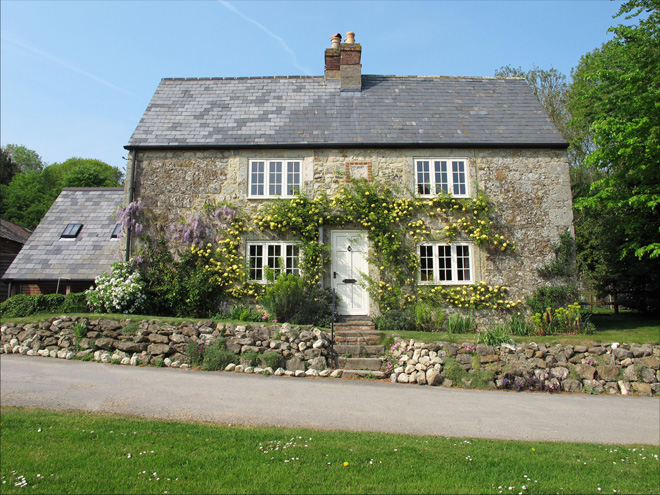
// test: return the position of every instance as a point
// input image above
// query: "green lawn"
(624, 327)
(72, 452)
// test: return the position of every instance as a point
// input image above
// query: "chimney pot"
(335, 40)
(350, 37)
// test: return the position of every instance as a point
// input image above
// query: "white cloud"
(61, 62)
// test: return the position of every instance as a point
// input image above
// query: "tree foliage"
(615, 93)
(26, 198)
(26, 160)
(7, 167)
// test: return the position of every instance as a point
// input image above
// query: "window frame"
(71, 231)
(434, 185)
(286, 184)
(454, 258)
(116, 232)
(266, 256)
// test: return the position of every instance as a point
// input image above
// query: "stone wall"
(155, 343)
(530, 188)
(597, 368)
(306, 351)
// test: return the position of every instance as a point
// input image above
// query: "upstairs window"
(281, 257)
(71, 231)
(446, 264)
(441, 175)
(274, 178)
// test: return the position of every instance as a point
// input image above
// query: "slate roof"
(313, 112)
(13, 232)
(46, 256)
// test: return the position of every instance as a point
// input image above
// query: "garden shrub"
(238, 312)
(317, 309)
(195, 353)
(520, 326)
(494, 336)
(552, 296)
(250, 358)
(183, 287)
(79, 329)
(284, 297)
(22, 305)
(211, 357)
(569, 320)
(427, 318)
(120, 291)
(395, 319)
(217, 357)
(553, 306)
(76, 302)
(459, 323)
(272, 360)
(290, 299)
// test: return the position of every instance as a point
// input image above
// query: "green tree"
(85, 172)
(27, 198)
(7, 167)
(27, 160)
(615, 92)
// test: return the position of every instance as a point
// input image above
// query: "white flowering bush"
(120, 291)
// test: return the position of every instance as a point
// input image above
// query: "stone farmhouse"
(247, 141)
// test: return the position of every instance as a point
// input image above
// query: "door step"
(355, 323)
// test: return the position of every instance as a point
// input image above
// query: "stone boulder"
(104, 343)
(607, 372)
(585, 371)
(159, 349)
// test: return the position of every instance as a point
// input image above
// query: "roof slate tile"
(311, 111)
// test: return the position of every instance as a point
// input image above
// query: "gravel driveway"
(322, 403)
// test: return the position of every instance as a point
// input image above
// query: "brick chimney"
(332, 57)
(343, 62)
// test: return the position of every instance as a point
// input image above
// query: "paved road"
(323, 403)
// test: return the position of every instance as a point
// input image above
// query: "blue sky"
(76, 76)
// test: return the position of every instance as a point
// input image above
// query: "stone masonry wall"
(597, 368)
(530, 188)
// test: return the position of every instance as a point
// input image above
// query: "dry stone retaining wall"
(598, 368)
(306, 351)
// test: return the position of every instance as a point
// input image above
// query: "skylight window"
(116, 232)
(71, 231)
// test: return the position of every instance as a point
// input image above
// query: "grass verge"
(73, 452)
(623, 327)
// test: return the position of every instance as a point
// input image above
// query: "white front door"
(349, 263)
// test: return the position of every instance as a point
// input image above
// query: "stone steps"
(379, 375)
(359, 363)
(350, 350)
(357, 337)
